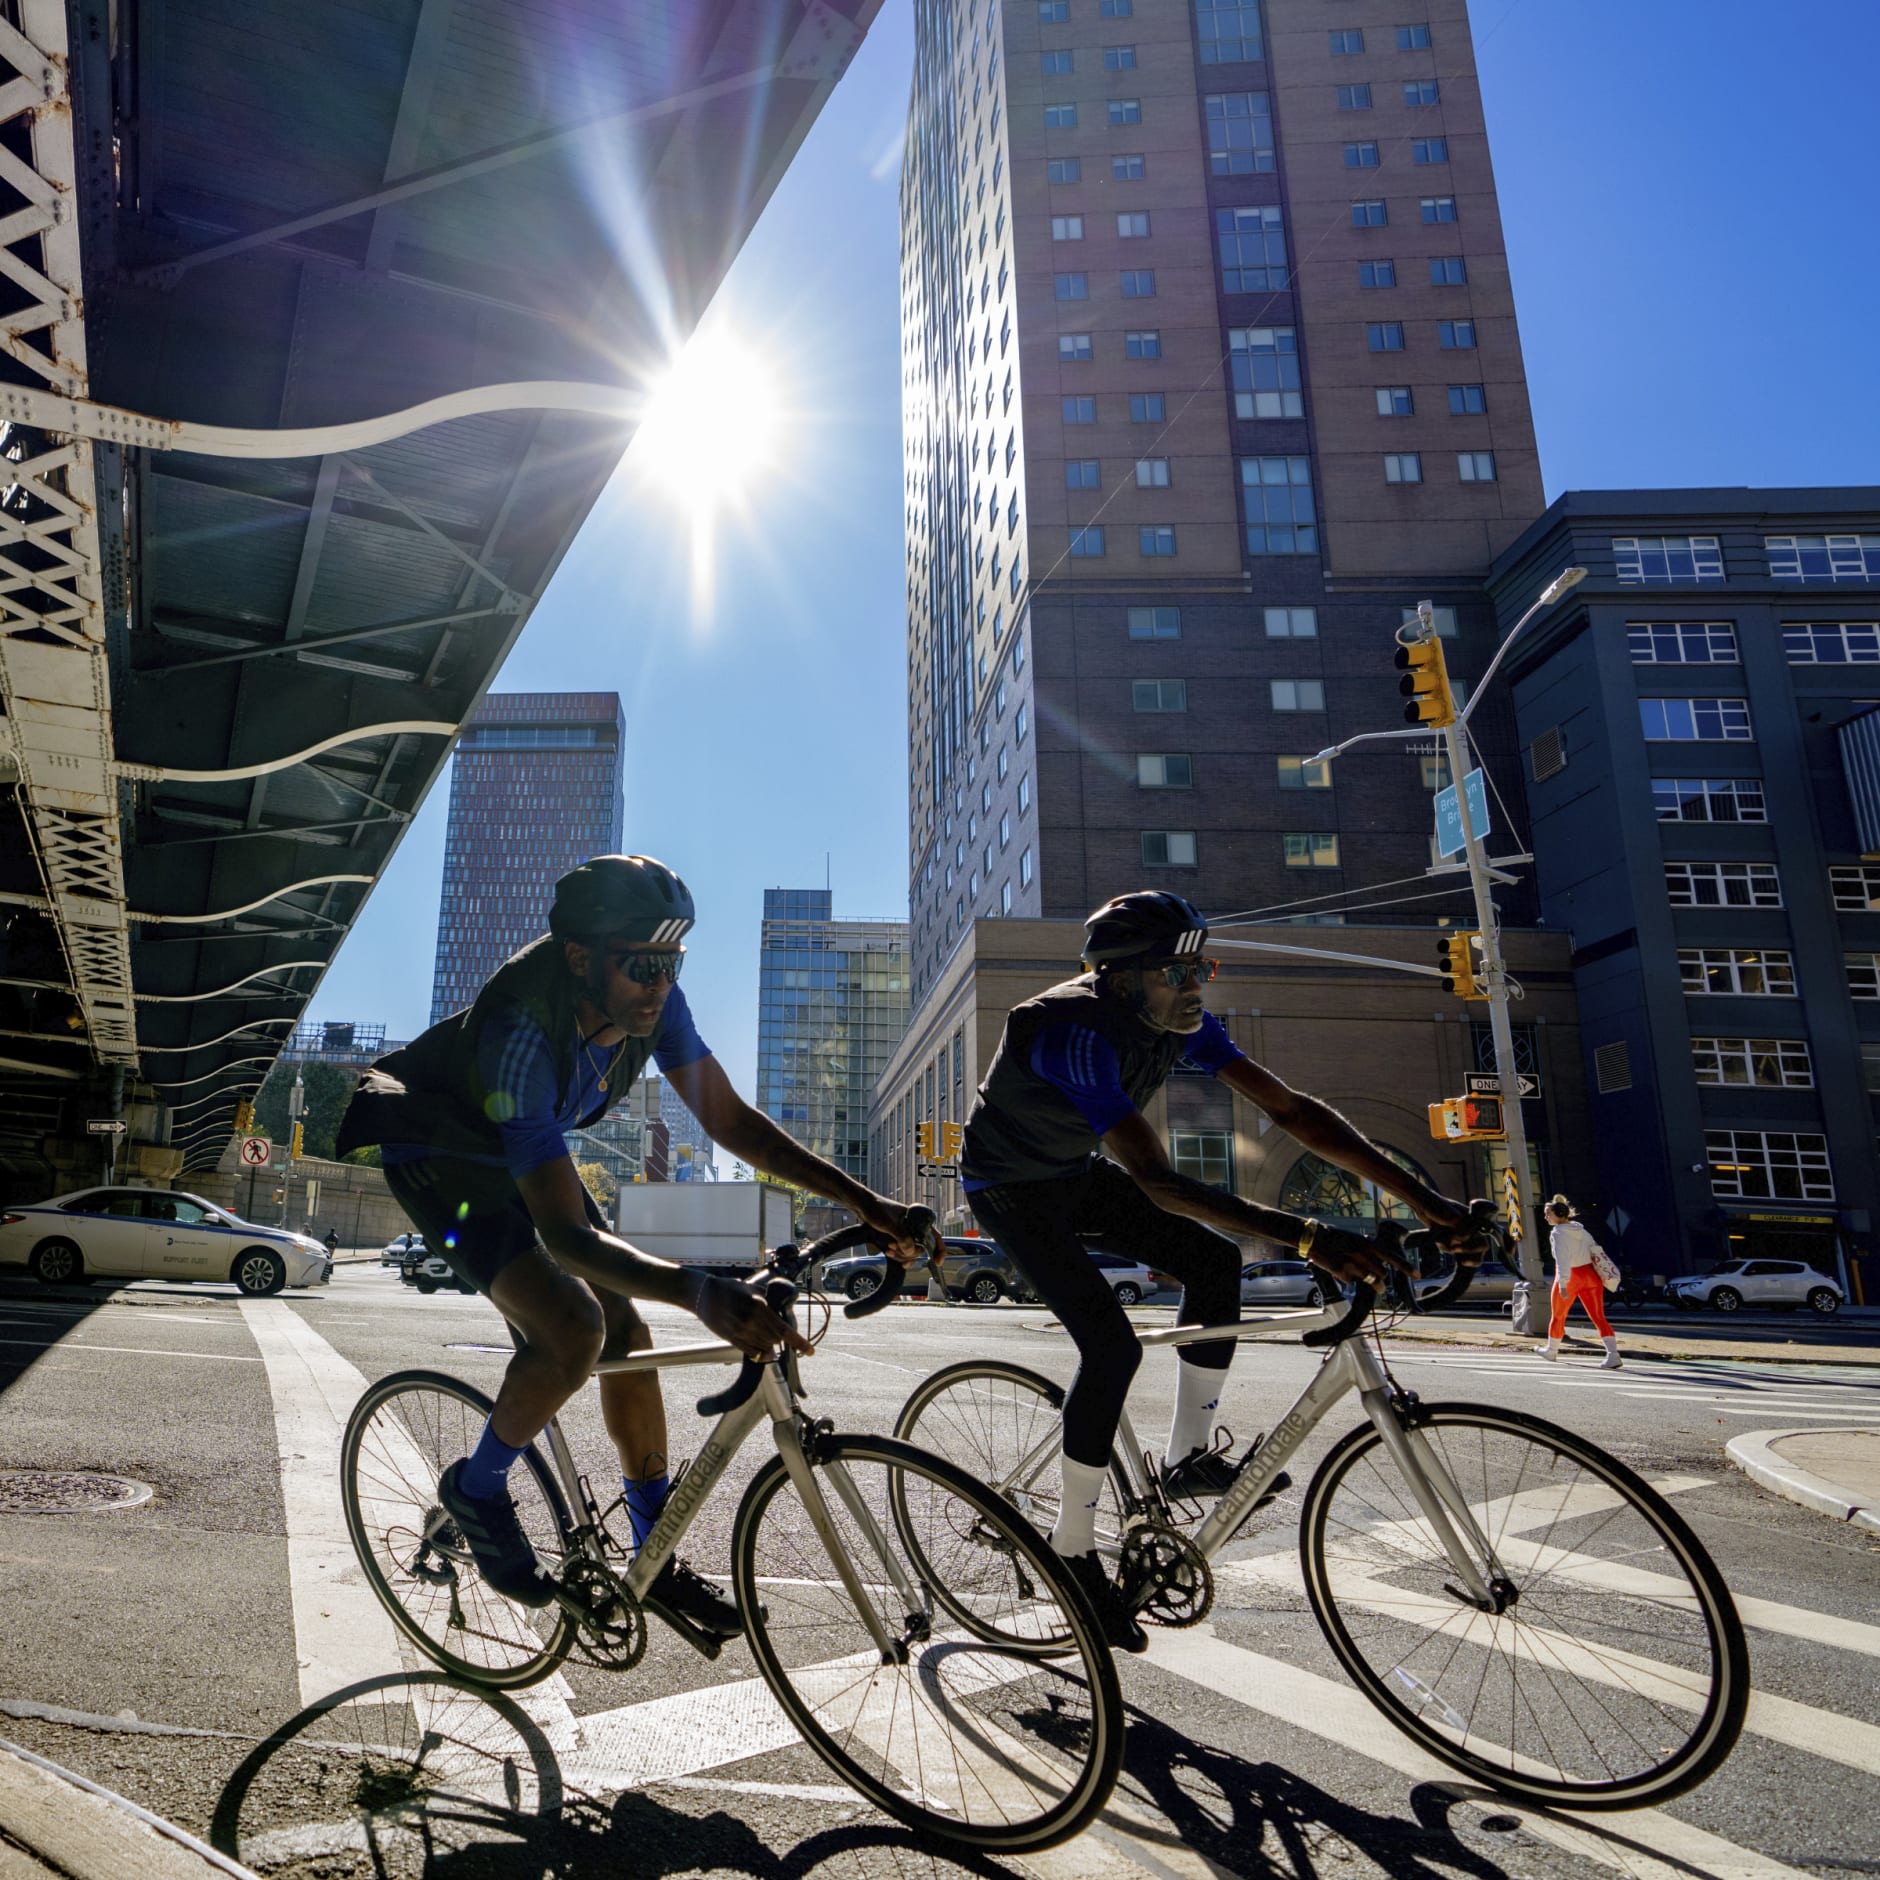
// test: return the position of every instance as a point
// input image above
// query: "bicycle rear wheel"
(1615, 1672)
(980, 1744)
(402, 1435)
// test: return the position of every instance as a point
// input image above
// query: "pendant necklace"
(603, 1071)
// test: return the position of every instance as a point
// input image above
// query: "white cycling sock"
(1076, 1530)
(1197, 1397)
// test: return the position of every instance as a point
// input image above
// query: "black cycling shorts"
(1048, 1226)
(472, 1216)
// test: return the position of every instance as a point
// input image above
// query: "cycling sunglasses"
(1179, 973)
(644, 968)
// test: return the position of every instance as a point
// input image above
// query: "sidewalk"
(1765, 1346)
(54, 1823)
(1836, 1472)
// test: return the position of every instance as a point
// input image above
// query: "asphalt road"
(163, 1649)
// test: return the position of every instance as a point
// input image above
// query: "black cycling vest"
(1023, 1128)
(432, 1092)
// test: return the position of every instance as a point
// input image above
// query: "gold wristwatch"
(1307, 1235)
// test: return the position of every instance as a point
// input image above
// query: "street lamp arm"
(1566, 579)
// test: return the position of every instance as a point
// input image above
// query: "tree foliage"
(598, 1179)
(329, 1089)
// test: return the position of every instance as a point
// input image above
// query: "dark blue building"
(1702, 763)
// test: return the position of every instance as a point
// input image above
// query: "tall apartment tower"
(534, 789)
(833, 1004)
(1210, 371)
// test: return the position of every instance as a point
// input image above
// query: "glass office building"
(832, 1007)
(534, 789)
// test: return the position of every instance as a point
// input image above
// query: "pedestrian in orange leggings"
(1576, 1277)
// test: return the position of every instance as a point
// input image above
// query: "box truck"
(728, 1226)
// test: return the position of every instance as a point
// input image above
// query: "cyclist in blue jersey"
(472, 1119)
(1058, 1155)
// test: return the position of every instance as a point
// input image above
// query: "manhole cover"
(68, 1491)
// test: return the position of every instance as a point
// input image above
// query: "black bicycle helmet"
(632, 896)
(1139, 926)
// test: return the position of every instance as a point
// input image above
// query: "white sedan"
(1129, 1279)
(155, 1233)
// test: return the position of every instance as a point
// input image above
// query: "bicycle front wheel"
(977, 1743)
(1613, 1670)
(402, 1435)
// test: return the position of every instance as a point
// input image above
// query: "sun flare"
(710, 426)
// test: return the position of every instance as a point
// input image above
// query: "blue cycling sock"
(645, 1498)
(485, 1474)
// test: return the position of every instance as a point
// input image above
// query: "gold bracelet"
(1307, 1236)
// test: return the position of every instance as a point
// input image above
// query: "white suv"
(1759, 1283)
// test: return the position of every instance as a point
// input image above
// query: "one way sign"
(1491, 1086)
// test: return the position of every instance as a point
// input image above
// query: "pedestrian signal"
(1467, 1119)
(1425, 684)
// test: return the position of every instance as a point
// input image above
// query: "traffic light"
(952, 1138)
(1425, 684)
(925, 1140)
(1455, 954)
(300, 1132)
(244, 1117)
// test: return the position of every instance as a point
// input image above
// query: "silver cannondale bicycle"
(909, 1624)
(1520, 1603)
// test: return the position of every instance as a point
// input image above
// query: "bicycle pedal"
(707, 1644)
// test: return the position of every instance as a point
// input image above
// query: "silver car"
(1280, 1283)
(1771, 1283)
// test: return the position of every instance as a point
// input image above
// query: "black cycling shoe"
(1202, 1472)
(682, 1592)
(1114, 1617)
(495, 1538)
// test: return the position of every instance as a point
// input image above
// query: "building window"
(1054, 12)
(1444, 623)
(1203, 1155)
(1137, 283)
(1021, 723)
(1080, 410)
(1717, 971)
(1377, 274)
(1067, 228)
(1073, 286)
(1117, 9)
(1064, 170)
(1682, 643)
(1292, 623)
(1641, 558)
(1429, 150)
(1060, 117)
(1403, 466)
(1005, 761)
(1433, 773)
(1354, 97)
(1164, 770)
(1055, 64)
(1765, 1063)
(1005, 897)
(1438, 208)
(1133, 225)
(1347, 41)
(1263, 363)
(1024, 865)
(1384, 335)
(1302, 773)
(1240, 133)
(1823, 557)
(1152, 473)
(1229, 32)
(1159, 695)
(1168, 848)
(1087, 542)
(1448, 271)
(1769, 1165)
(1863, 975)
(1125, 110)
(1694, 720)
(1709, 799)
(1280, 517)
(1155, 623)
(1252, 246)
(1119, 58)
(1475, 466)
(1456, 335)
(1073, 347)
(1129, 168)
(1143, 345)
(1310, 851)
(1832, 643)
(1082, 473)
(1413, 38)
(1467, 401)
(1361, 156)
(1372, 214)
(1395, 401)
(1420, 91)
(1298, 695)
(1147, 407)
(1855, 887)
(1156, 540)
(1722, 884)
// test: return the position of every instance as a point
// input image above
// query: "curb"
(82, 1829)
(1650, 1347)
(1752, 1452)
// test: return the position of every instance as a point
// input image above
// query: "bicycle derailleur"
(1164, 1577)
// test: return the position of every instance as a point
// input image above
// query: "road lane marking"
(127, 1351)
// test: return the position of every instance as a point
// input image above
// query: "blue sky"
(1686, 192)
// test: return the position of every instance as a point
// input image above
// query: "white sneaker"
(1611, 1362)
(1549, 1351)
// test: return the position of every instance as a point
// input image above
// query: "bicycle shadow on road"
(415, 1777)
